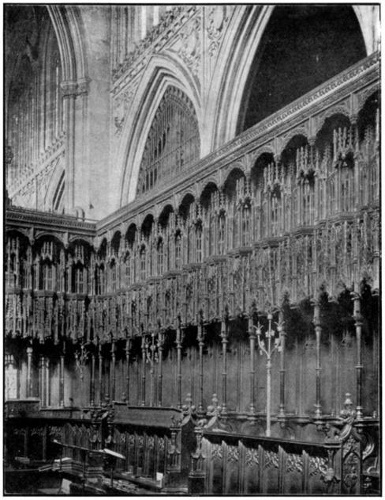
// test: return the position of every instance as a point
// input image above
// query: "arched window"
(173, 141)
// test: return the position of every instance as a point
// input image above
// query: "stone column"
(69, 92)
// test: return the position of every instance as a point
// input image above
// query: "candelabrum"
(267, 346)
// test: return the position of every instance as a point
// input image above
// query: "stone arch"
(326, 126)
(238, 55)
(291, 138)
(102, 245)
(235, 172)
(336, 110)
(209, 187)
(19, 232)
(236, 59)
(165, 210)
(162, 72)
(369, 19)
(81, 240)
(67, 26)
(187, 200)
(143, 216)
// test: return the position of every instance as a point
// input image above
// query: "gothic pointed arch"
(68, 29)
(254, 29)
(161, 73)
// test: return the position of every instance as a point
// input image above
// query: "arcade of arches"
(192, 256)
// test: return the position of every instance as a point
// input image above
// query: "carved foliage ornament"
(294, 463)
(122, 105)
(251, 458)
(217, 20)
(191, 46)
(271, 459)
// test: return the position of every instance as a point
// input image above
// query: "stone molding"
(152, 43)
(347, 83)
(75, 89)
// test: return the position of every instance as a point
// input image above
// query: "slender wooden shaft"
(160, 367)
(100, 374)
(61, 387)
(128, 371)
(268, 395)
(179, 365)
(143, 371)
(29, 372)
(200, 344)
(358, 324)
(152, 368)
(282, 336)
(92, 387)
(41, 380)
(47, 379)
(112, 371)
(318, 330)
(224, 366)
(252, 366)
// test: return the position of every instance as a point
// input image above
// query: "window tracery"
(173, 140)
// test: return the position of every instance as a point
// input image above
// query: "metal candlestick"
(268, 348)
